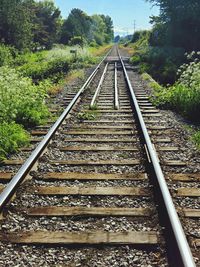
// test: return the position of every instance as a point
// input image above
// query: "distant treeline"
(33, 25)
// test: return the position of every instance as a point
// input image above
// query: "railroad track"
(98, 183)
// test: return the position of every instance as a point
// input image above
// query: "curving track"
(98, 184)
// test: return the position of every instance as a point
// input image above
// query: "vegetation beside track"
(183, 96)
(26, 82)
(169, 54)
(38, 54)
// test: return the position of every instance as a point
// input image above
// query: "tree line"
(33, 25)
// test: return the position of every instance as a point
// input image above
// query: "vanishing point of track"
(100, 152)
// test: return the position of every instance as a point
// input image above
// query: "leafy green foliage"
(6, 55)
(178, 24)
(184, 95)
(15, 23)
(44, 69)
(47, 24)
(29, 24)
(162, 62)
(176, 30)
(12, 136)
(53, 64)
(135, 60)
(20, 100)
(77, 40)
(36, 25)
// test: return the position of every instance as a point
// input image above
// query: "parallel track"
(103, 158)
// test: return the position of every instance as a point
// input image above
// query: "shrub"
(20, 100)
(135, 60)
(190, 72)
(138, 35)
(93, 44)
(12, 136)
(162, 63)
(29, 58)
(6, 57)
(184, 95)
(42, 70)
(77, 40)
(53, 64)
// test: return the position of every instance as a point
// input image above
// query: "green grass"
(88, 115)
(94, 107)
(196, 139)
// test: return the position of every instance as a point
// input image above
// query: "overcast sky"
(123, 12)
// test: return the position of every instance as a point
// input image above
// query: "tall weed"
(20, 100)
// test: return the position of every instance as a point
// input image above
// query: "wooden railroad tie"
(99, 148)
(185, 177)
(85, 211)
(96, 163)
(88, 238)
(93, 176)
(90, 191)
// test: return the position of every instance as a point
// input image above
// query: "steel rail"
(99, 86)
(116, 89)
(9, 190)
(182, 244)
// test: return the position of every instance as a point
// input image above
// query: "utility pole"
(134, 25)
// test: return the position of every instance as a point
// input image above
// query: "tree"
(77, 40)
(78, 23)
(117, 39)
(47, 23)
(15, 23)
(179, 21)
(109, 28)
(97, 28)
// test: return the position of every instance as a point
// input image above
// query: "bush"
(12, 136)
(138, 35)
(93, 44)
(162, 63)
(184, 95)
(29, 58)
(190, 72)
(20, 100)
(45, 69)
(53, 64)
(6, 56)
(135, 60)
(77, 40)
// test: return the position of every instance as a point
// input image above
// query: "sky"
(122, 12)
